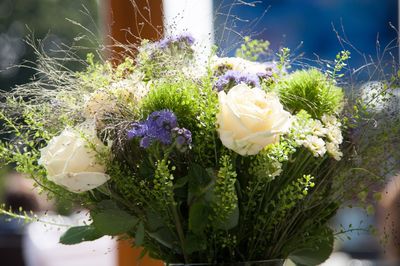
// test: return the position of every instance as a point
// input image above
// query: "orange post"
(125, 24)
(129, 256)
(128, 22)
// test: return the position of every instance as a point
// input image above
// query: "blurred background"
(309, 28)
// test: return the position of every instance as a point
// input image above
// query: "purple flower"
(182, 40)
(164, 119)
(232, 78)
(161, 126)
(157, 127)
(183, 138)
(271, 69)
(138, 130)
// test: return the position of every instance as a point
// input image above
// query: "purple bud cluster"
(182, 41)
(183, 138)
(232, 78)
(160, 126)
(271, 69)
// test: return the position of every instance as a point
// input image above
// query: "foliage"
(252, 50)
(183, 195)
(312, 91)
(61, 25)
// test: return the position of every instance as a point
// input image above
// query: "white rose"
(71, 163)
(249, 119)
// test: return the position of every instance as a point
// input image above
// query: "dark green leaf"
(113, 221)
(194, 243)
(106, 205)
(142, 254)
(198, 217)
(199, 181)
(181, 182)
(78, 234)
(139, 236)
(165, 237)
(154, 220)
(315, 254)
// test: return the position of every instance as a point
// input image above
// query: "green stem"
(34, 218)
(181, 235)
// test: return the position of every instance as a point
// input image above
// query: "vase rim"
(228, 263)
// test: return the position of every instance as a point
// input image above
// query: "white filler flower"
(315, 145)
(239, 64)
(249, 119)
(128, 91)
(334, 150)
(71, 163)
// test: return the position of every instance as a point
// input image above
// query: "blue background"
(288, 23)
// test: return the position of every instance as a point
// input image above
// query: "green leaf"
(317, 253)
(78, 234)
(165, 237)
(142, 254)
(113, 221)
(199, 181)
(181, 182)
(106, 205)
(198, 217)
(139, 236)
(154, 220)
(194, 243)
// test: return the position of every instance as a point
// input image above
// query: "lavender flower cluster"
(232, 78)
(161, 126)
(183, 138)
(182, 41)
(271, 70)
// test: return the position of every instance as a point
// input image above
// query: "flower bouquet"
(223, 161)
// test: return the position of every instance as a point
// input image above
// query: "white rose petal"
(80, 182)
(71, 163)
(249, 119)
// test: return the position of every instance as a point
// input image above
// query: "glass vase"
(275, 262)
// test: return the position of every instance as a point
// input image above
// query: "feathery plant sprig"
(252, 50)
(310, 90)
(340, 62)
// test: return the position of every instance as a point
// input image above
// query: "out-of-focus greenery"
(56, 25)
(3, 172)
(252, 49)
(52, 21)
